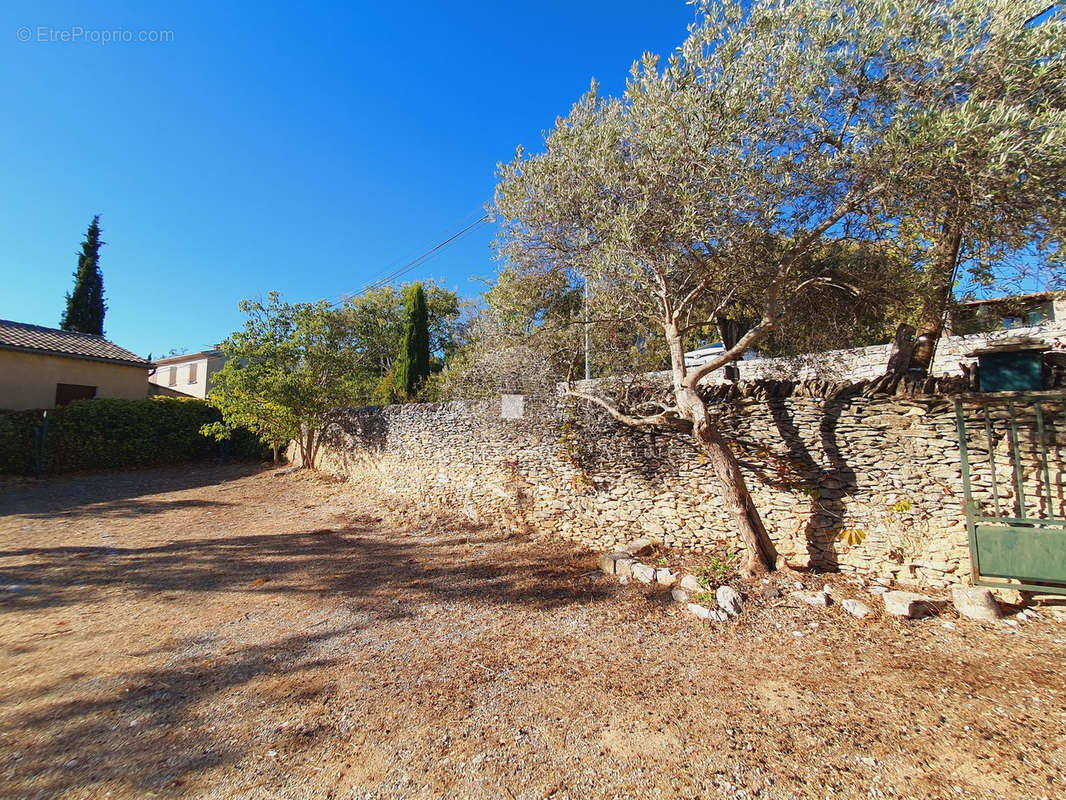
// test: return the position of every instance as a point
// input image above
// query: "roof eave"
(60, 354)
(188, 357)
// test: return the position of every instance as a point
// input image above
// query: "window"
(68, 392)
(192, 373)
(173, 378)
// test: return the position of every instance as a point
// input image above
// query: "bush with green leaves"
(112, 433)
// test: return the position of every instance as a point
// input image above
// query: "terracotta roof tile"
(23, 336)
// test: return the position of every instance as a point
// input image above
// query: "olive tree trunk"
(938, 295)
(760, 553)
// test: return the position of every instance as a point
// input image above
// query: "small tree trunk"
(730, 331)
(309, 450)
(761, 555)
(274, 447)
(900, 357)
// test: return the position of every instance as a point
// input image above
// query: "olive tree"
(714, 184)
(983, 188)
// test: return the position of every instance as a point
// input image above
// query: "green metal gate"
(1011, 449)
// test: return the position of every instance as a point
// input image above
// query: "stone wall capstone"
(867, 363)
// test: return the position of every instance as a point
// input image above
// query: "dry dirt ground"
(220, 632)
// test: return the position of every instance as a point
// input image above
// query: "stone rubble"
(699, 611)
(691, 583)
(665, 577)
(616, 563)
(973, 602)
(642, 573)
(817, 599)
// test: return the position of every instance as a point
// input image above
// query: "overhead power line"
(421, 259)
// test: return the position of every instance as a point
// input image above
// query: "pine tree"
(412, 361)
(85, 305)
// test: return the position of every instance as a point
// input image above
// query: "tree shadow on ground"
(56, 494)
(367, 575)
(146, 730)
(129, 509)
(352, 562)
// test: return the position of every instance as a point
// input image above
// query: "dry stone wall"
(846, 476)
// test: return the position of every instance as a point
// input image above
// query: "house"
(1005, 313)
(46, 367)
(188, 374)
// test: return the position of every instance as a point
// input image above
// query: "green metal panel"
(1034, 554)
(1010, 372)
(1025, 550)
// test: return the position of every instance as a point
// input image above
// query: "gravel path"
(220, 632)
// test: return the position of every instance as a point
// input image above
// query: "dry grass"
(218, 632)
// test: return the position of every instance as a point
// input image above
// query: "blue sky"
(304, 147)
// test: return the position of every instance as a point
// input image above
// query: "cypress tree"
(85, 305)
(412, 362)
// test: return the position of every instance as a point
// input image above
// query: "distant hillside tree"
(412, 360)
(85, 305)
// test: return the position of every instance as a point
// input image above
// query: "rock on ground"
(616, 564)
(910, 604)
(729, 600)
(665, 577)
(976, 602)
(699, 611)
(643, 573)
(691, 583)
(856, 608)
(816, 599)
(709, 614)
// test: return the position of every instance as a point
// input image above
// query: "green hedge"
(105, 433)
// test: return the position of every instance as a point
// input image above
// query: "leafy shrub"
(109, 433)
(717, 569)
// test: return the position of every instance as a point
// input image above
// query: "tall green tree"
(290, 365)
(85, 304)
(375, 320)
(412, 359)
